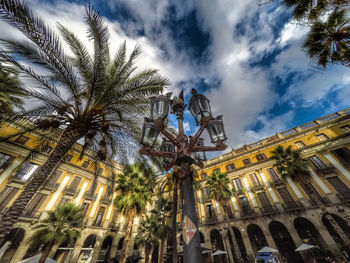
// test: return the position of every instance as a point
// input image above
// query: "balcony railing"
(268, 210)
(292, 206)
(70, 191)
(326, 170)
(277, 182)
(248, 213)
(257, 187)
(211, 220)
(344, 197)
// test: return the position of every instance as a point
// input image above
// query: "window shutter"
(338, 185)
(264, 201)
(6, 195)
(285, 195)
(35, 204)
(75, 183)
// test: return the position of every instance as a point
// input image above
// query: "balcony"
(268, 210)
(51, 186)
(326, 170)
(70, 191)
(344, 197)
(211, 220)
(277, 182)
(248, 213)
(292, 206)
(105, 200)
(89, 196)
(259, 187)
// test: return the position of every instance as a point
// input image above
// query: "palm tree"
(291, 164)
(310, 9)
(89, 97)
(162, 214)
(10, 90)
(146, 236)
(135, 189)
(218, 185)
(328, 41)
(61, 225)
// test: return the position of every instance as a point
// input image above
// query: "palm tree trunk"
(147, 252)
(150, 255)
(236, 249)
(130, 222)
(161, 250)
(174, 238)
(68, 138)
(330, 219)
(46, 253)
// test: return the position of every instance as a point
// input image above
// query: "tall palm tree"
(134, 191)
(290, 163)
(309, 9)
(61, 225)
(10, 90)
(162, 213)
(89, 97)
(147, 236)
(218, 185)
(328, 41)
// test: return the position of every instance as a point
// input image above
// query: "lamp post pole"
(179, 150)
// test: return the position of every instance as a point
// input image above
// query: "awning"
(303, 247)
(268, 250)
(219, 252)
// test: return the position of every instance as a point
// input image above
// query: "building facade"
(267, 211)
(264, 211)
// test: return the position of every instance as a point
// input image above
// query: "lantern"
(216, 130)
(199, 106)
(160, 106)
(149, 133)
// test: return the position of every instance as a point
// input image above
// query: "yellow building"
(264, 211)
(268, 211)
(72, 181)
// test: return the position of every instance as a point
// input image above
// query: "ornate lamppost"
(183, 151)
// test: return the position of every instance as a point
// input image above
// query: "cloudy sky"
(245, 58)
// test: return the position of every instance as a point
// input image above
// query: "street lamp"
(180, 149)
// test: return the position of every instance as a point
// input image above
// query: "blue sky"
(245, 58)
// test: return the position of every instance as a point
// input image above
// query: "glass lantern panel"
(160, 109)
(149, 136)
(216, 131)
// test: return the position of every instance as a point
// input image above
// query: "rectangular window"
(317, 162)
(230, 167)
(99, 216)
(54, 178)
(6, 196)
(343, 154)
(5, 161)
(345, 128)
(285, 195)
(68, 158)
(217, 170)
(21, 139)
(272, 174)
(47, 149)
(246, 161)
(74, 184)
(339, 185)
(299, 144)
(261, 157)
(264, 200)
(204, 176)
(63, 201)
(35, 204)
(322, 137)
(245, 205)
(254, 179)
(85, 164)
(84, 208)
(237, 183)
(211, 211)
(99, 170)
(27, 171)
(206, 191)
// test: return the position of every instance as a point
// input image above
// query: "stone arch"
(326, 218)
(119, 247)
(284, 241)
(88, 245)
(217, 244)
(105, 250)
(15, 236)
(256, 237)
(308, 232)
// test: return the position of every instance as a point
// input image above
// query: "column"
(297, 241)
(114, 247)
(20, 252)
(208, 245)
(248, 245)
(270, 241)
(77, 248)
(96, 251)
(332, 246)
(227, 245)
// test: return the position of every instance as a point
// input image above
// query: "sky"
(246, 58)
